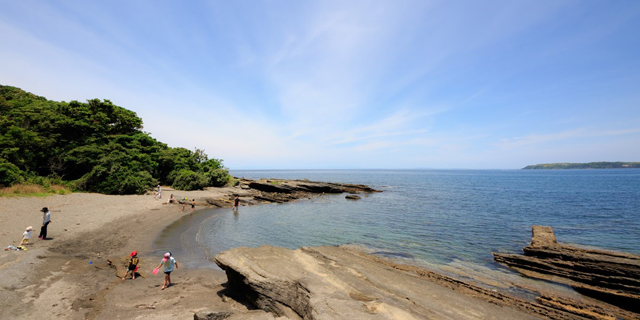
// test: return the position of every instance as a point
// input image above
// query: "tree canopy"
(92, 146)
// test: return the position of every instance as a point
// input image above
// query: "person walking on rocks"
(169, 263)
(46, 219)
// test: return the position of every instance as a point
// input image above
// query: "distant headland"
(590, 165)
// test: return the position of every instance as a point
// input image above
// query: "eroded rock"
(608, 276)
(334, 283)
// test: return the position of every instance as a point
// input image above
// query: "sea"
(445, 220)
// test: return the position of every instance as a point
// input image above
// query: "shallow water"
(450, 220)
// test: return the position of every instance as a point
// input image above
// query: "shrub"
(10, 174)
(186, 179)
(218, 177)
(233, 182)
(116, 180)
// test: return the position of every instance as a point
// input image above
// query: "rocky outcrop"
(608, 276)
(281, 191)
(253, 192)
(306, 186)
(335, 283)
(269, 186)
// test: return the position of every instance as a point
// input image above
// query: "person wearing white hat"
(168, 262)
(26, 236)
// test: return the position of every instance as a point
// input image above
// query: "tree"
(96, 144)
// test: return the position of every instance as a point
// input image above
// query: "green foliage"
(95, 146)
(590, 165)
(9, 173)
(232, 182)
(217, 177)
(189, 180)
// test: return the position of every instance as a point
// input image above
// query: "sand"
(68, 277)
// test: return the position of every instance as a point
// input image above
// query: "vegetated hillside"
(94, 146)
(590, 165)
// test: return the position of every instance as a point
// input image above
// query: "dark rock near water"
(280, 191)
(352, 197)
(271, 187)
(291, 186)
(607, 276)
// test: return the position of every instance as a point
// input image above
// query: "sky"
(347, 84)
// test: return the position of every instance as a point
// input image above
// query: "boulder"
(352, 197)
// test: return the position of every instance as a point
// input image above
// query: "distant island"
(590, 165)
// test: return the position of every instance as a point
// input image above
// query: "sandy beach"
(68, 277)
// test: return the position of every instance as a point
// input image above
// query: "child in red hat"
(132, 266)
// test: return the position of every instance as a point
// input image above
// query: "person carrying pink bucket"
(168, 262)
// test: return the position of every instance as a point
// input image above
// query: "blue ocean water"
(441, 217)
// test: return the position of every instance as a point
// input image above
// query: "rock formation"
(607, 276)
(336, 283)
(281, 191)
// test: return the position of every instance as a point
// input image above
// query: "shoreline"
(68, 276)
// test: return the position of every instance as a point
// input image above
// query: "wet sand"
(68, 276)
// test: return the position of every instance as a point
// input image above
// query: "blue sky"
(347, 84)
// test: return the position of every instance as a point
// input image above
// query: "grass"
(233, 182)
(33, 190)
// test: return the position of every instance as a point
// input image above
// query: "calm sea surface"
(448, 219)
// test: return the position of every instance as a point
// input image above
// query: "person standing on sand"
(46, 219)
(158, 193)
(236, 203)
(168, 262)
(26, 236)
(193, 205)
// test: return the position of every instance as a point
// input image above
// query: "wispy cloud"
(353, 84)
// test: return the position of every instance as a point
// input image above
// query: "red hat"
(133, 253)
(166, 256)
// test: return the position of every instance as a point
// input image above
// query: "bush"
(10, 174)
(116, 180)
(218, 177)
(187, 180)
(233, 182)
